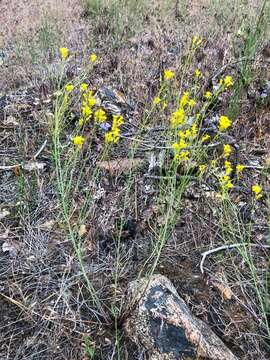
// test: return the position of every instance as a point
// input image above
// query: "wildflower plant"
(69, 162)
(182, 108)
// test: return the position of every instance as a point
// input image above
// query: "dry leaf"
(222, 285)
(82, 230)
(116, 167)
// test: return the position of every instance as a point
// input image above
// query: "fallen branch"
(10, 167)
(225, 247)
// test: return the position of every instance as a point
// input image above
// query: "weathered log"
(162, 324)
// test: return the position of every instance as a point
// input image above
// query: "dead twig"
(10, 167)
(226, 247)
(40, 150)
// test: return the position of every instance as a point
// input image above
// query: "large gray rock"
(161, 323)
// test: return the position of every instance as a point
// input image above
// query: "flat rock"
(162, 324)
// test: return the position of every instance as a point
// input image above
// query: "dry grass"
(46, 310)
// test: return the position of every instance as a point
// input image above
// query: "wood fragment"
(226, 247)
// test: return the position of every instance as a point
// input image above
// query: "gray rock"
(161, 324)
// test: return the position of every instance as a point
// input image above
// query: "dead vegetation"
(47, 308)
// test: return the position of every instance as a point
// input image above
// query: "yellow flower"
(205, 137)
(168, 74)
(197, 73)
(156, 100)
(86, 111)
(117, 121)
(228, 167)
(178, 118)
(112, 136)
(184, 99)
(69, 88)
(78, 141)
(202, 168)
(196, 41)
(227, 150)
(100, 115)
(192, 103)
(109, 137)
(224, 123)
(184, 134)
(221, 81)
(194, 130)
(93, 58)
(257, 191)
(228, 81)
(64, 52)
(84, 87)
(184, 155)
(226, 182)
(177, 147)
(91, 101)
(208, 95)
(240, 168)
(81, 122)
(229, 184)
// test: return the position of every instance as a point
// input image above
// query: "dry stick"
(10, 167)
(40, 150)
(225, 247)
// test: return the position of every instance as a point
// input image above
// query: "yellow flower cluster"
(179, 117)
(69, 88)
(156, 100)
(257, 191)
(226, 82)
(64, 52)
(197, 73)
(168, 74)
(114, 135)
(185, 140)
(225, 182)
(208, 95)
(78, 141)
(205, 138)
(202, 168)
(240, 168)
(224, 123)
(100, 116)
(227, 150)
(88, 102)
(93, 58)
(228, 167)
(84, 87)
